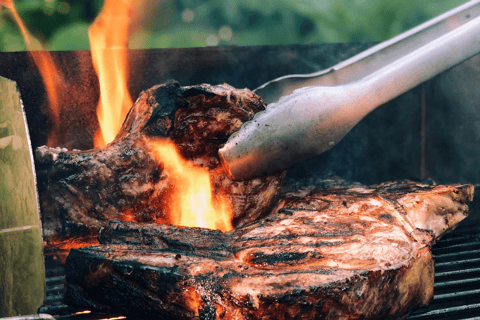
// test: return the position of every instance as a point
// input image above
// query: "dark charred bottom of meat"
(167, 292)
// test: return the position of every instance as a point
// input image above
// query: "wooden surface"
(22, 275)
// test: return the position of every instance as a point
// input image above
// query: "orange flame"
(192, 202)
(44, 61)
(108, 42)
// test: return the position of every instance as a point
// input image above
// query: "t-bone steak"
(334, 250)
(81, 191)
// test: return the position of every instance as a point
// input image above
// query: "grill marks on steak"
(335, 251)
(81, 191)
(324, 241)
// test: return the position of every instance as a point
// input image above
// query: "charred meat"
(334, 250)
(81, 191)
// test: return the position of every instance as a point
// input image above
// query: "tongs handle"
(374, 58)
(313, 119)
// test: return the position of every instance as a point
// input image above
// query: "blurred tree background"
(63, 24)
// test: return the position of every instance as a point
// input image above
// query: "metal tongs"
(315, 111)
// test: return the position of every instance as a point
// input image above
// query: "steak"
(81, 191)
(331, 250)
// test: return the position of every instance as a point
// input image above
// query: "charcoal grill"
(431, 131)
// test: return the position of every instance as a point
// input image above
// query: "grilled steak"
(80, 191)
(334, 250)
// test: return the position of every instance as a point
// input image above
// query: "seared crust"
(338, 250)
(81, 191)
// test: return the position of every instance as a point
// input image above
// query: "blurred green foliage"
(63, 24)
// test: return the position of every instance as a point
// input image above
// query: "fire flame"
(44, 62)
(109, 42)
(192, 202)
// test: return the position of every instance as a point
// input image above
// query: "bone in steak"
(333, 251)
(80, 191)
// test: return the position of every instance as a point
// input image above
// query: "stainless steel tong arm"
(324, 108)
(374, 58)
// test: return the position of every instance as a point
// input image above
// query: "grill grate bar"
(464, 234)
(449, 273)
(57, 310)
(455, 295)
(451, 263)
(54, 299)
(453, 254)
(54, 272)
(55, 280)
(455, 282)
(54, 289)
(445, 311)
(458, 245)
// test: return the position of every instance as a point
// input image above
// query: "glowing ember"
(83, 312)
(88, 311)
(110, 31)
(44, 61)
(192, 202)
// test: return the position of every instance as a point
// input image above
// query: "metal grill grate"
(457, 280)
(457, 276)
